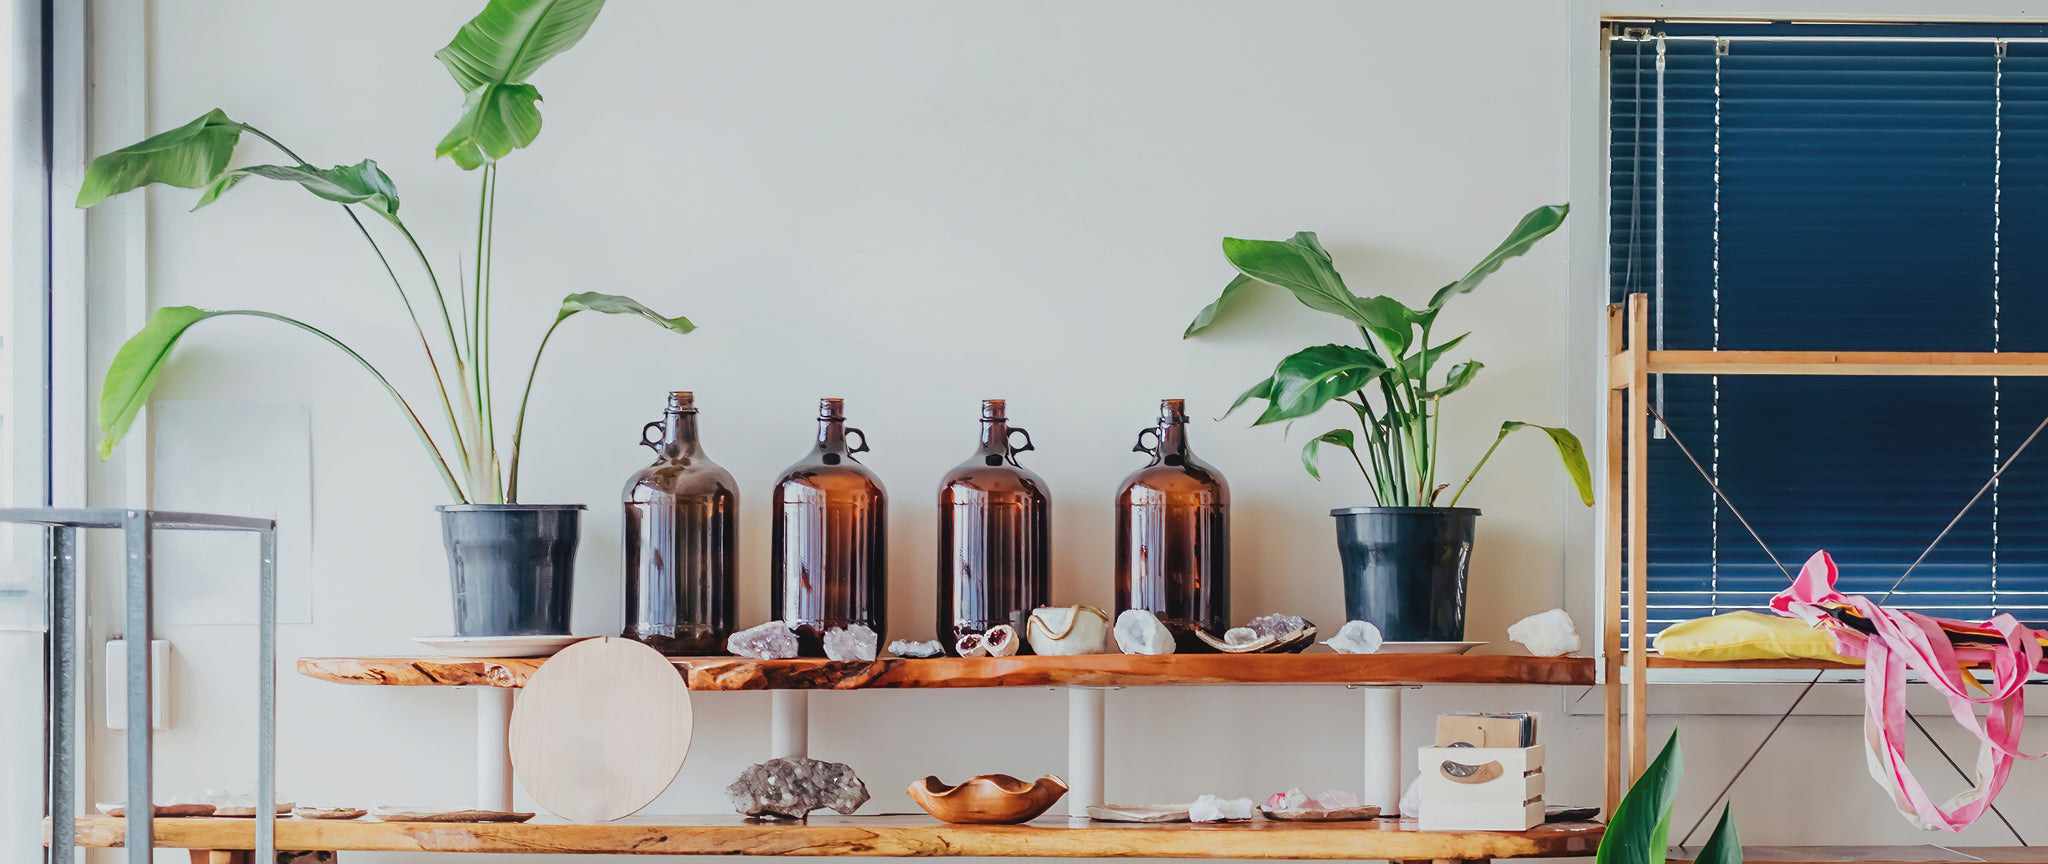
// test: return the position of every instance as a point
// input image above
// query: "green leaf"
(1535, 226)
(1339, 437)
(1301, 267)
(491, 57)
(1208, 314)
(133, 373)
(189, 157)
(614, 304)
(1639, 829)
(1455, 380)
(1417, 367)
(1261, 390)
(1307, 240)
(1308, 379)
(1723, 847)
(1391, 321)
(496, 120)
(1569, 451)
(362, 183)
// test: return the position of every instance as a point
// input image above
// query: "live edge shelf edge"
(1095, 670)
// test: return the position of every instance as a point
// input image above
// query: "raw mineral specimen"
(856, 642)
(971, 645)
(1547, 634)
(1356, 637)
(770, 641)
(1240, 636)
(1210, 808)
(1277, 624)
(793, 786)
(916, 650)
(1001, 641)
(1288, 800)
(1141, 632)
(1336, 799)
(1065, 631)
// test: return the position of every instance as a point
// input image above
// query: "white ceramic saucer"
(1427, 647)
(498, 646)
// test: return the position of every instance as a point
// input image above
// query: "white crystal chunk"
(1356, 637)
(854, 642)
(1547, 634)
(916, 650)
(770, 641)
(1141, 632)
(1240, 636)
(1066, 631)
(1210, 808)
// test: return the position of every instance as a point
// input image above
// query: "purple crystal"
(1277, 625)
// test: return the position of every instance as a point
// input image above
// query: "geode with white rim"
(1356, 637)
(1141, 632)
(1547, 634)
(770, 641)
(793, 786)
(853, 642)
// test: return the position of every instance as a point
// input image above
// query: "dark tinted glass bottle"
(682, 540)
(830, 558)
(994, 535)
(1173, 535)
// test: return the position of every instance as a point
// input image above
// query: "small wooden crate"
(1505, 793)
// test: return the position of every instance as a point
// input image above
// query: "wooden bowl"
(989, 799)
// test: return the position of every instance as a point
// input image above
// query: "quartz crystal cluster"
(1210, 808)
(855, 642)
(1275, 625)
(916, 650)
(770, 641)
(793, 786)
(1293, 800)
(1547, 634)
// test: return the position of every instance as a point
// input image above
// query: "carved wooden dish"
(988, 799)
(1284, 643)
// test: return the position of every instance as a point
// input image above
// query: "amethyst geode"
(793, 786)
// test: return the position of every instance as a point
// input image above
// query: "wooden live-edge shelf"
(1875, 854)
(1094, 670)
(877, 836)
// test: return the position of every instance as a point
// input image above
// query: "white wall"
(914, 206)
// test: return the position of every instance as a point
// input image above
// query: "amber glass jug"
(830, 558)
(1173, 535)
(994, 535)
(682, 540)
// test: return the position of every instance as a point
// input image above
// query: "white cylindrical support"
(493, 754)
(1084, 749)
(1382, 748)
(789, 719)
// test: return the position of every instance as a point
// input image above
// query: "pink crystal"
(1335, 799)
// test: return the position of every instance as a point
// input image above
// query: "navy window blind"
(1801, 187)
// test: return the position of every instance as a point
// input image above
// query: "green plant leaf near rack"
(1639, 829)
(1390, 382)
(490, 59)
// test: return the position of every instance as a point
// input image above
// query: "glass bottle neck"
(679, 435)
(832, 435)
(995, 437)
(1173, 439)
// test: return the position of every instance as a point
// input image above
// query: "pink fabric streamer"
(1912, 641)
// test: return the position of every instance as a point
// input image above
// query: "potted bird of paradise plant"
(1405, 558)
(511, 563)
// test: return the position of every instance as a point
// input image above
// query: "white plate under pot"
(1427, 647)
(498, 646)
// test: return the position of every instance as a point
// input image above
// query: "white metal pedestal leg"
(493, 756)
(1084, 749)
(1382, 749)
(789, 732)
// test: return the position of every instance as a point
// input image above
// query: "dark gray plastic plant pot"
(1405, 568)
(512, 567)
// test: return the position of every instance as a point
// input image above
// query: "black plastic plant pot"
(1404, 569)
(512, 567)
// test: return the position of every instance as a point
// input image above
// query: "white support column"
(789, 723)
(1382, 748)
(1084, 748)
(493, 753)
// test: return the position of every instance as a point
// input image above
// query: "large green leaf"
(1535, 226)
(1569, 451)
(491, 57)
(1723, 847)
(1461, 374)
(1303, 269)
(614, 304)
(1391, 321)
(189, 156)
(1208, 314)
(1308, 379)
(1417, 366)
(1339, 437)
(362, 183)
(1639, 829)
(1261, 390)
(136, 366)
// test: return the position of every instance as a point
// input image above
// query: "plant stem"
(479, 468)
(1475, 469)
(426, 439)
(484, 273)
(519, 424)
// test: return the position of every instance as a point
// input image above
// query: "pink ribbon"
(1911, 641)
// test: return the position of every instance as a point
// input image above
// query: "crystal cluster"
(793, 786)
(1547, 634)
(1276, 625)
(770, 641)
(1141, 632)
(916, 650)
(856, 642)
(1356, 637)
(1210, 808)
(1240, 636)
(1295, 800)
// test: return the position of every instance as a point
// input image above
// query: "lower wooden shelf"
(1878, 854)
(885, 836)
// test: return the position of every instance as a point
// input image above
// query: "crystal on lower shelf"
(793, 786)
(1210, 808)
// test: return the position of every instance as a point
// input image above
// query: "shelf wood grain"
(1094, 670)
(878, 836)
(1968, 363)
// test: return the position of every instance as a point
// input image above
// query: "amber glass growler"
(994, 535)
(682, 540)
(1173, 535)
(830, 526)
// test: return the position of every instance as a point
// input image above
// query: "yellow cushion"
(1747, 636)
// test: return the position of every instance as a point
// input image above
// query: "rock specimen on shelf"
(1356, 637)
(793, 786)
(770, 641)
(1277, 624)
(916, 650)
(1138, 812)
(1002, 641)
(971, 645)
(856, 642)
(1065, 631)
(1546, 634)
(1141, 632)
(1240, 636)
(1332, 806)
(1210, 808)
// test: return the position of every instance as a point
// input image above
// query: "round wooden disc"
(600, 730)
